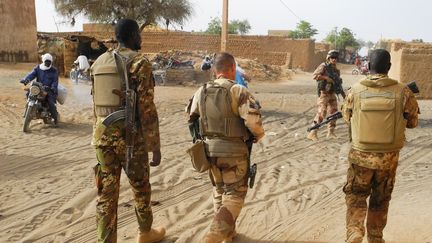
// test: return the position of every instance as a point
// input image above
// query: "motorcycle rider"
(83, 63)
(46, 74)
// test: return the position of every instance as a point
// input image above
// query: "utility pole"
(336, 36)
(224, 39)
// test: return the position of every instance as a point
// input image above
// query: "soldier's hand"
(156, 158)
(329, 80)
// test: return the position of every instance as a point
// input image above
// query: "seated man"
(46, 74)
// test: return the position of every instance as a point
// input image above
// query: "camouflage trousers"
(229, 178)
(361, 183)
(327, 104)
(107, 174)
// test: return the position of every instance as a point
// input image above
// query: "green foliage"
(240, 26)
(144, 12)
(342, 39)
(214, 27)
(304, 30)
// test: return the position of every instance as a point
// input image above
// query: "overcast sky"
(368, 19)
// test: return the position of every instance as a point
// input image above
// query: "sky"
(370, 20)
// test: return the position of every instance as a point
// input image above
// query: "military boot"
(154, 235)
(212, 238)
(331, 133)
(355, 237)
(313, 135)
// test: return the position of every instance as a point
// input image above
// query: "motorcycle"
(37, 105)
(77, 75)
(175, 64)
(360, 70)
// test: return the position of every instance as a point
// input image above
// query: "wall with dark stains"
(18, 41)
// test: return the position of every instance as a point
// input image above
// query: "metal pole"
(224, 26)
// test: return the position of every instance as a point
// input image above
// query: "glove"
(329, 81)
(23, 81)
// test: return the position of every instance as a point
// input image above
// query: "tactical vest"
(106, 78)
(377, 123)
(224, 131)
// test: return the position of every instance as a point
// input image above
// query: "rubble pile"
(253, 68)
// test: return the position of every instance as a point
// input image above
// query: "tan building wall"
(413, 63)
(18, 41)
(267, 49)
(272, 50)
(284, 33)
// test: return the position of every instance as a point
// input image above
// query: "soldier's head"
(128, 34)
(224, 66)
(379, 61)
(332, 56)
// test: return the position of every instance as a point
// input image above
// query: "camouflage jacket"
(140, 71)
(376, 160)
(320, 72)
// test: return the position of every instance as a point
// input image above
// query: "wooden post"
(224, 39)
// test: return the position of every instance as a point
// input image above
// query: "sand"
(48, 192)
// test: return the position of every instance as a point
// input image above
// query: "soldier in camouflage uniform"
(110, 144)
(228, 153)
(327, 100)
(376, 142)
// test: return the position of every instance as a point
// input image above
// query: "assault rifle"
(128, 114)
(337, 81)
(328, 119)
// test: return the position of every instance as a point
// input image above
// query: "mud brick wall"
(274, 50)
(410, 64)
(178, 76)
(266, 49)
(18, 41)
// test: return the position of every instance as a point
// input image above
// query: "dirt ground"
(48, 192)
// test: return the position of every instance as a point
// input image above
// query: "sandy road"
(48, 195)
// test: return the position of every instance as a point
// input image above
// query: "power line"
(290, 10)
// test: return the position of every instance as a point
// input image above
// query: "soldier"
(327, 100)
(378, 109)
(224, 102)
(109, 140)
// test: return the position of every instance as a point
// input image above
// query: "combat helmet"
(332, 53)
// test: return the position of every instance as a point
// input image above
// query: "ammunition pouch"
(226, 148)
(198, 155)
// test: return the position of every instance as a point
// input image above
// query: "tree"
(175, 11)
(303, 30)
(214, 27)
(362, 43)
(145, 12)
(342, 39)
(241, 26)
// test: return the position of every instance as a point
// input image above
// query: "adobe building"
(18, 41)
(413, 62)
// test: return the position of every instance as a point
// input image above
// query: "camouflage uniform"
(372, 174)
(229, 174)
(327, 100)
(110, 153)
